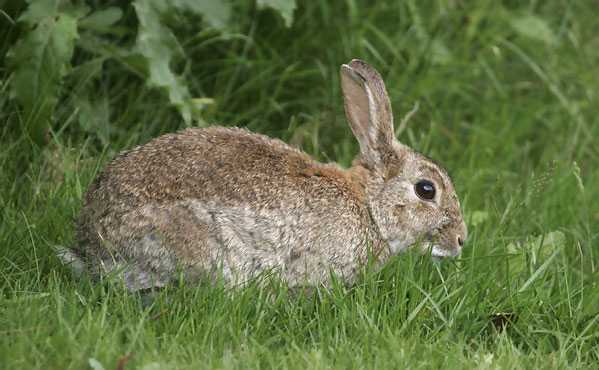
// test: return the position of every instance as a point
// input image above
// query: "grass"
(509, 107)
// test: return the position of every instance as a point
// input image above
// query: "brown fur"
(201, 200)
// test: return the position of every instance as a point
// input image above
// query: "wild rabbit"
(227, 202)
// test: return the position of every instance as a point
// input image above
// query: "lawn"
(507, 95)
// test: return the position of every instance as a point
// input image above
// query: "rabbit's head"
(410, 198)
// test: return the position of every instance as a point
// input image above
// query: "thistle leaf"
(102, 20)
(158, 45)
(215, 13)
(39, 62)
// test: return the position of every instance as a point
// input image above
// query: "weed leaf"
(157, 43)
(215, 13)
(533, 27)
(102, 20)
(38, 10)
(39, 62)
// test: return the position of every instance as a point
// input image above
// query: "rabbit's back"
(230, 166)
(228, 198)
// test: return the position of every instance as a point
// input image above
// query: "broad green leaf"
(86, 71)
(39, 10)
(215, 13)
(158, 45)
(533, 27)
(39, 62)
(101, 20)
(284, 7)
(94, 117)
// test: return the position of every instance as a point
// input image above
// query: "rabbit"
(231, 204)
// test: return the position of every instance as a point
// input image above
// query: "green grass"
(510, 112)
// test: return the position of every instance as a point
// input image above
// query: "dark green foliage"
(41, 58)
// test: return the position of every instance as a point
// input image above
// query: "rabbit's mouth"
(429, 243)
(437, 250)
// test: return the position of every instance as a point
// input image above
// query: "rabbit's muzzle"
(448, 242)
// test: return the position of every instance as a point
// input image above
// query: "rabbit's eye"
(425, 190)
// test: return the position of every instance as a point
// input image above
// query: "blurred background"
(506, 97)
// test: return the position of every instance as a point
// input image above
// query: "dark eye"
(425, 189)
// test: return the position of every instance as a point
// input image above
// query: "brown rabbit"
(227, 202)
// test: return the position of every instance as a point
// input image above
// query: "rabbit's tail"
(71, 259)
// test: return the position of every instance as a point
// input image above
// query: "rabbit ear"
(368, 110)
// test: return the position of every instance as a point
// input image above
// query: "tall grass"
(507, 95)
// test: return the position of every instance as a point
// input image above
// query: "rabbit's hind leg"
(174, 241)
